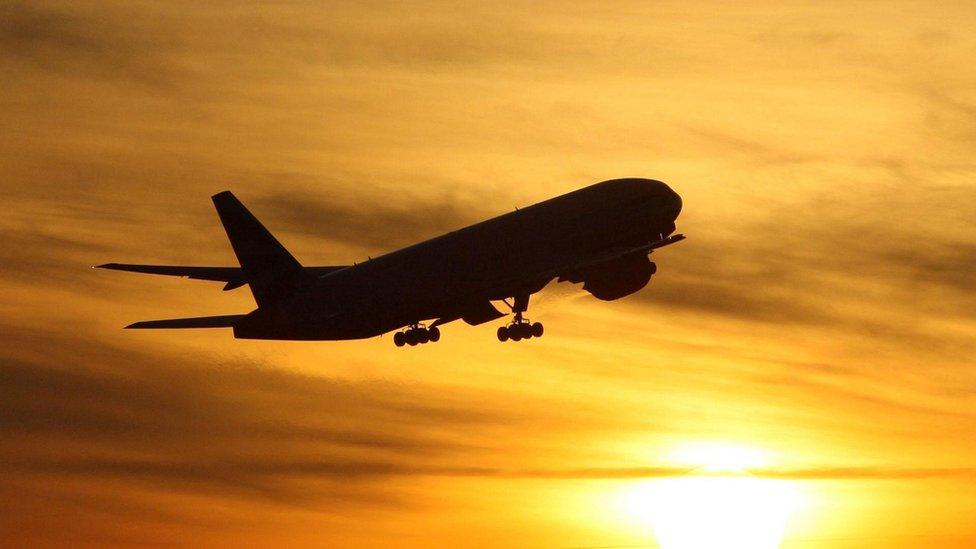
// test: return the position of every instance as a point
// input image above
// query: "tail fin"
(268, 268)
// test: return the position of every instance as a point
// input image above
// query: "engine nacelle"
(618, 277)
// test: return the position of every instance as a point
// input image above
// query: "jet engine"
(616, 278)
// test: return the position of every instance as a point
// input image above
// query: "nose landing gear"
(520, 328)
(417, 335)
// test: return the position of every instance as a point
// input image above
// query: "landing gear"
(417, 335)
(520, 328)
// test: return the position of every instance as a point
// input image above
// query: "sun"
(720, 511)
(717, 505)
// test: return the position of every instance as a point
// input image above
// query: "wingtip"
(140, 325)
(222, 194)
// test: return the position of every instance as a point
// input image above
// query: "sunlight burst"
(719, 505)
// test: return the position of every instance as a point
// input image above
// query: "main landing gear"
(520, 328)
(417, 334)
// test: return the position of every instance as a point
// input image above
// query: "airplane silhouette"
(600, 235)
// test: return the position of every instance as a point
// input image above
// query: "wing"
(614, 253)
(232, 276)
(223, 321)
(541, 277)
(483, 311)
(619, 252)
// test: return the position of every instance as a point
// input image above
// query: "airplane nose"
(674, 205)
(671, 200)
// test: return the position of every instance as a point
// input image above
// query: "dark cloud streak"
(212, 428)
(378, 225)
(62, 40)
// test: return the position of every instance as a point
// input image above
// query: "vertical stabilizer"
(269, 269)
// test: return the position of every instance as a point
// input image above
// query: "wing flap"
(223, 321)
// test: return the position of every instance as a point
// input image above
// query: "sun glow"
(717, 505)
(714, 457)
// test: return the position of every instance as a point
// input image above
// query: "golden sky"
(807, 352)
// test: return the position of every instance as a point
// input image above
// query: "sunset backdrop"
(799, 372)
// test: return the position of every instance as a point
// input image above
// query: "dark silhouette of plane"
(599, 235)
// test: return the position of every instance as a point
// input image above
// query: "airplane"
(600, 236)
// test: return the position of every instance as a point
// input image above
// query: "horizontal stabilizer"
(224, 321)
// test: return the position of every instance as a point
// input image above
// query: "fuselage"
(518, 252)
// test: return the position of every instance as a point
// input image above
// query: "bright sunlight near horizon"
(718, 504)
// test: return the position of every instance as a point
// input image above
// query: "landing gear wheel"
(417, 334)
(520, 328)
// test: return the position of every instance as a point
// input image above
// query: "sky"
(806, 352)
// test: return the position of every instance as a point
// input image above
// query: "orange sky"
(820, 313)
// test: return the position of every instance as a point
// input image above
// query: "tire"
(525, 330)
(514, 333)
(502, 334)
(537, 329)
(411, 338)
(422, 336)
(398, 339)
(434, 334)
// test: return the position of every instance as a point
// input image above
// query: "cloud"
(214, 428)
(35, 257)
(866, 473)
(383, 225)
(219, 473)
(97, 44)
(815, 473)
(809, 261)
